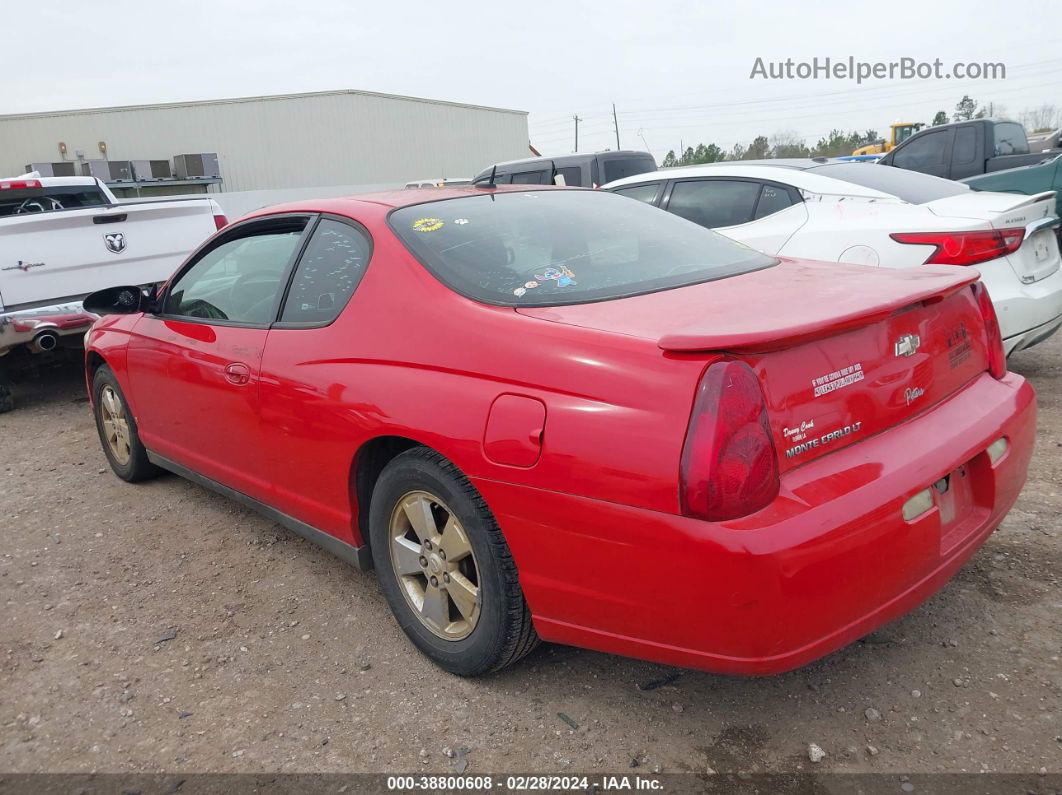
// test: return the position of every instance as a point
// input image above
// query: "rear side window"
(643, 193)
(549, 247)
(620, 167)
(965, 146)
(925, 152)
(573, 176)
(531, 178)
(773, 199)
(1009, 139)
(46, 200)
(327, 274)
(714, 203)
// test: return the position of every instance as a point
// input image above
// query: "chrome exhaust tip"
(45, 341)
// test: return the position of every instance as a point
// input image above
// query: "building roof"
(266, 98)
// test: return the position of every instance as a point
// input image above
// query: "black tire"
(138, 467)
(7, 398)
(504, 632)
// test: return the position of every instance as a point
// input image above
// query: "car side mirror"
(117, 301)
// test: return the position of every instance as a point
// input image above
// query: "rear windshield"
(550, 247)
(910, 186)
(620, 167)
(47, 200)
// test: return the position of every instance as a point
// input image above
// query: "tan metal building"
(279, 142)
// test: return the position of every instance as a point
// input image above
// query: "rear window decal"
(563, 276)
(427, 224)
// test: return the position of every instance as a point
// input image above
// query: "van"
(578, 170)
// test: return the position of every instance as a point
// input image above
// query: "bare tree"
(788, 143)
(1042, 119)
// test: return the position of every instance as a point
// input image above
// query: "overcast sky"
(676, 71)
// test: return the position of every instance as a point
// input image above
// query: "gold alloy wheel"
(436, 569)
(115, 424)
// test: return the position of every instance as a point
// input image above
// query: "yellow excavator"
(898, 132)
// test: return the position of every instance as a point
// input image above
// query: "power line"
(876, 88)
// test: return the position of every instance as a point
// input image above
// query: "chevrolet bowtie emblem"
(907, 345)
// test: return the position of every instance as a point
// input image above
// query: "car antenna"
(489, 184)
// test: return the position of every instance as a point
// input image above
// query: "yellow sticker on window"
(427, 224)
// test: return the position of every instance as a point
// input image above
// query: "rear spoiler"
(754, 333)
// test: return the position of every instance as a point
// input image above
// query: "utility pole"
(577, 120)
(615, 122)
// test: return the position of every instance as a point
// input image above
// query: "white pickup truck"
(62, 238)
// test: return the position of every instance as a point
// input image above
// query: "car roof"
(388, 200)
(561, 161)
(569, 158)
(799, 173)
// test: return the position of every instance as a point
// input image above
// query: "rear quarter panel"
(410, 358)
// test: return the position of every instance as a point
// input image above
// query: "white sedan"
(868, 214)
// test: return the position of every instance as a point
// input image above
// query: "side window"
(965, 146)
(1010, 139)
(531, 178)
(643, 193)
(328, 273)
(714, 202)
(240, 280)
(925, 152)
(772, 199)
(573, 176)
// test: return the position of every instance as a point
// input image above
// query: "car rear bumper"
(829, 561)
(1025, 311)
(1033, 336)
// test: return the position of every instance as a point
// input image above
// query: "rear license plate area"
(954, 497)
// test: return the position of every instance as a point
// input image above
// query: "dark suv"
(583, 171)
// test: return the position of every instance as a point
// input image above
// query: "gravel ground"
(162, 628)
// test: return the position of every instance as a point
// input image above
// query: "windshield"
(550, 247)
(910, 186)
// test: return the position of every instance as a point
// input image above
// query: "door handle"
(237, 373)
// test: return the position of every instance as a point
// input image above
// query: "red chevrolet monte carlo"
(562, 414)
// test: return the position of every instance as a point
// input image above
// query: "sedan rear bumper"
(829, 561)
(1025, 311)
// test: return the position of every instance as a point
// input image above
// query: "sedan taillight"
(964, 248)
(997, 359)
(220, 222)
(729, 466)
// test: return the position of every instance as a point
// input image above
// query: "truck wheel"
(445, 568)
(117, 429)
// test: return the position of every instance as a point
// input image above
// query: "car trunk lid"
(842, 352)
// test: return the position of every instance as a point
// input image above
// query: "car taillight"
(997, 359)
(964, 248)
(729, 465)
(220, 222)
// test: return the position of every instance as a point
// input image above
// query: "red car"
(561, 414)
